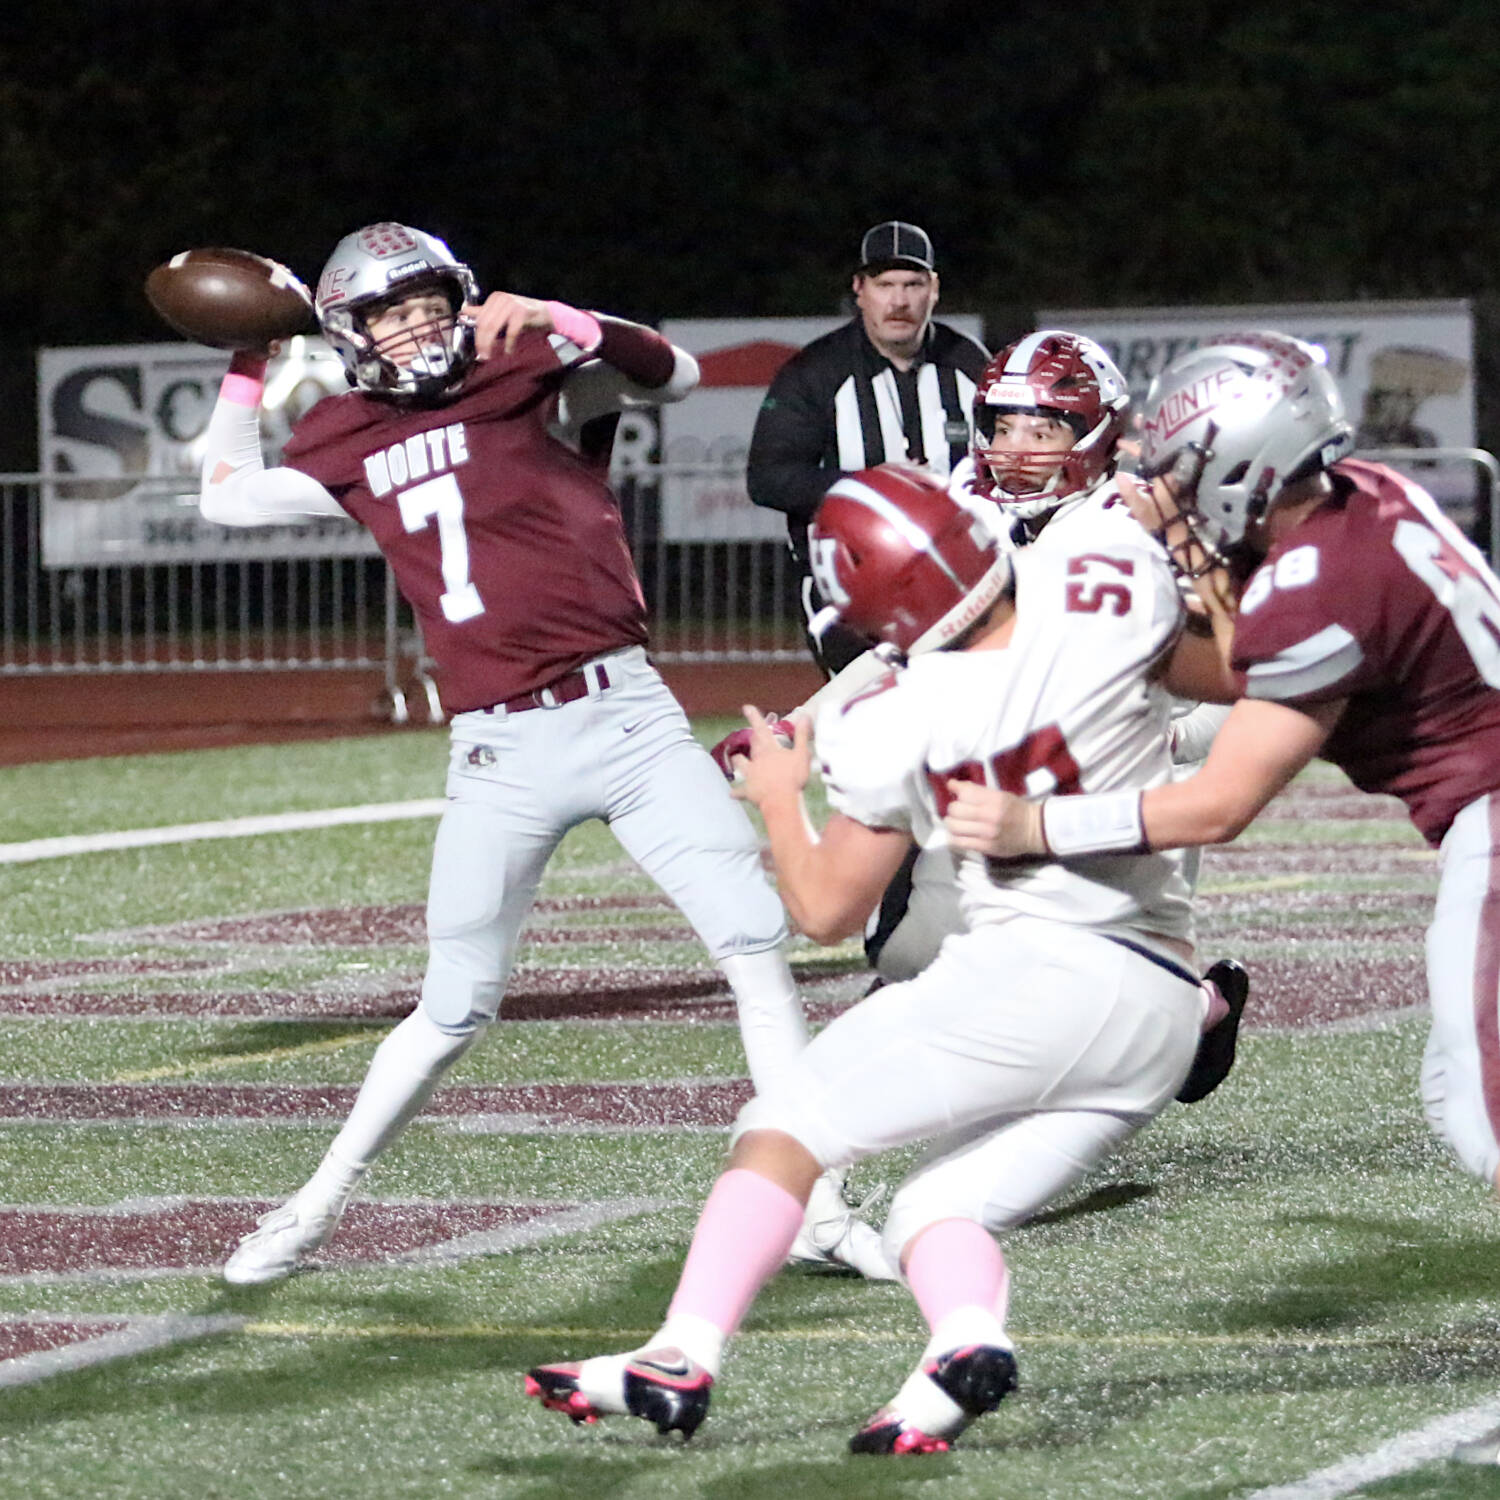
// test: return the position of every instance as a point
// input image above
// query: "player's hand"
(502, 318)
(736, 746)
(985, 820)
(1157, 507)
(1154, 505)
(773, 768)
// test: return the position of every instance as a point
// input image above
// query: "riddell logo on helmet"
(405, 270)
(1192, 401)
(1007, 394)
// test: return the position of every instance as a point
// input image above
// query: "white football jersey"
(1068, 706)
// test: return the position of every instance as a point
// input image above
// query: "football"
(229, 299)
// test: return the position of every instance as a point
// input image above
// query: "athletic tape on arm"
(1098, 823)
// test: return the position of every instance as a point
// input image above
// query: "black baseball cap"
(893, 244)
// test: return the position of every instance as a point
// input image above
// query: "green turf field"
(1278, 1280)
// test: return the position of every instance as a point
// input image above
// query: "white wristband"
(1100, 823)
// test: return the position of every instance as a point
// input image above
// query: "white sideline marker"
(226, 828)
(140, 1336)
(1405, 1451)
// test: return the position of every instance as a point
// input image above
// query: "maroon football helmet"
(900, 560)
(1048, 374)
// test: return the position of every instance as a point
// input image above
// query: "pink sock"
(956, 1263)
(743, 1235)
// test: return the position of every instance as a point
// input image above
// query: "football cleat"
(834, 1234)
(1483, 1450)
(279, 1242)
(660, 1386)
(939, 1401)
(1215, 1055)
(888, 1432)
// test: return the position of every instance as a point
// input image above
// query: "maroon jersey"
(508, 545)
(1378, 598)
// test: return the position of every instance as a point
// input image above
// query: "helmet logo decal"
(334, 286)
(823, 558)
(1191, 402)
(1006, 394)
(409, 268)
(381, 240)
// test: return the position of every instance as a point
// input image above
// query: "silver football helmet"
(1236, 420)
(381, 264)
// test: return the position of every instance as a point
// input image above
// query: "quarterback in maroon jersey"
(1367, 631)
(509, 546)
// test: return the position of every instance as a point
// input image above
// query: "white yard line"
(142, 1334)
(226, 828)
(152, 1332)
(1405, 1451)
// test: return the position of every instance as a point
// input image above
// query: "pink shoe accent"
(956, 1263)
(574, 1405)
(913, 1441)
(743, 1236)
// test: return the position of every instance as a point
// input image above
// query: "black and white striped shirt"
(840, 405)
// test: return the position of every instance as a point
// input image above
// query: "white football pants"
(1461, 1068)
(1028, 1048)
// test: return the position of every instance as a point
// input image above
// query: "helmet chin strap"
(820, 622)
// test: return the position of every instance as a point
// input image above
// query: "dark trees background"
(669, 158)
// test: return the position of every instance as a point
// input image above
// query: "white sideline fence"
(710, 600)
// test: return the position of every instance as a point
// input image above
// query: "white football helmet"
(1235, 421)
(381, 264)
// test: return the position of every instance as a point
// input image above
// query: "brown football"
(229, 299)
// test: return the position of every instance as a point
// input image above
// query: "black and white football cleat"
(1215, 1055)
(660, 1386)
(939, 1400)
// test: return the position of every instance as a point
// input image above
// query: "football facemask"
(1053, 374)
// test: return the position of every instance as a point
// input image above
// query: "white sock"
(602, 1378)
(923, 1403)
(773, 1030)
(966, 1325)
(700, 1340)
(406, 1068)
(333, 1184)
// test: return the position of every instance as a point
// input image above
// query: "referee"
(890, 385)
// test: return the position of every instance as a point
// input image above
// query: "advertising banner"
(128, 422)
(1406, 369)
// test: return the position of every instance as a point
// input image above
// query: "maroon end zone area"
(21, 1336)
(201, 1234)
(404, 925)
(535, 993)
